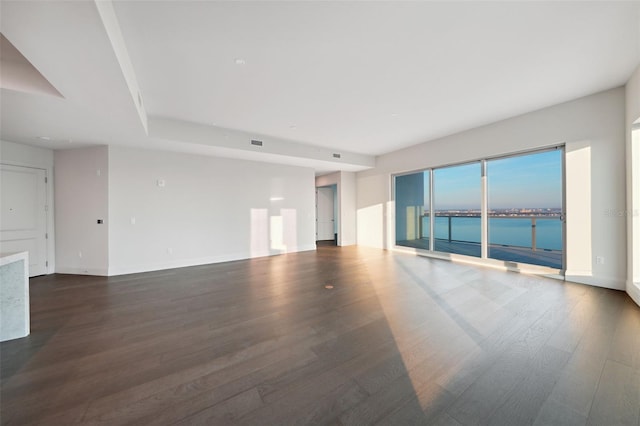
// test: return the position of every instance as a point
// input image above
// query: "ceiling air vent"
(336, 155)
(256, 142)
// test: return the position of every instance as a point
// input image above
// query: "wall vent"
(256, 142)
(336, 155)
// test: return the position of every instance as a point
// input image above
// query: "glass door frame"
(484, 206)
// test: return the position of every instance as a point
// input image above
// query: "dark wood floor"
(399, 340)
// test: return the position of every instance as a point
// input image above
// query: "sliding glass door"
(412, 210)
(525, 208)
(518, 198)
(457, 194)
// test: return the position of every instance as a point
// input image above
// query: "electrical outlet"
(169, 250)
(600, 260)
(133, 220)
(79, 254)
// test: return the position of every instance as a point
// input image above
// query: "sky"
(525, 181)
(533, 180)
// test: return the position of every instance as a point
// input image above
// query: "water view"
(503, 231)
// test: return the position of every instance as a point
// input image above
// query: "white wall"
(28, 156)
(633, 186)
(347, 194)
(81, 185)
(209, 210)
(346, 187)
(595, 123)
(328, 179)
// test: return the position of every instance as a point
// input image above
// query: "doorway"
(23, 214)
(325, 215)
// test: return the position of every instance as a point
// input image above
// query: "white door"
(324, 214)
(23, 217)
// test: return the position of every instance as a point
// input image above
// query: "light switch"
(161, 182)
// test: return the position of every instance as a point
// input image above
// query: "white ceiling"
(311, 78)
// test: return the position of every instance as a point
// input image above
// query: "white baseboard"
(183, 263)
(81, 271)
(633, 290)
(604, 282)
(578, 273)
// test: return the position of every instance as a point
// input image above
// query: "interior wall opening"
(326, 214)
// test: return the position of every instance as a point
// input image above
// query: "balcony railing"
(534, 239)
(533, 220)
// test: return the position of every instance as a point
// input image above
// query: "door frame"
(335, 211)
(48, 240)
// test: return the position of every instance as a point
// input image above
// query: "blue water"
(511, 232)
